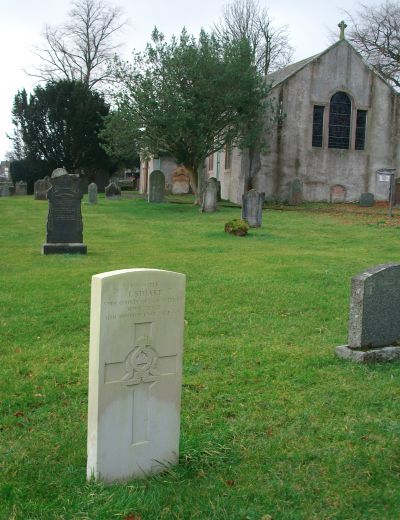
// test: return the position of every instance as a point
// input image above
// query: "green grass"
(273, 424)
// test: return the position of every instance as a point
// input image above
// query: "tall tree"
(81, 48)
(269, 43)
(375, 33)
(187, 98)
(59, 124)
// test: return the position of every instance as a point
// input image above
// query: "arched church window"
(339, 121)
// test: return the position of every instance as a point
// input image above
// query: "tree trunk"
(193, 177)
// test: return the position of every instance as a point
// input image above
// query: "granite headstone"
(252, 202)
(156, 186)
(113, 191)
(92, 193)
(5, 190)
(210, 196)
(367, 199)
(21, 188)
(64, 222)
(40, 188)
(374, 315)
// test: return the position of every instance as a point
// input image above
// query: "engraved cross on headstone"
(141, 369)
(342, 26)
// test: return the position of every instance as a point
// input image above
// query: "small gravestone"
(112, 191)
(374, 327)
(295, 192)
(210, 196)
(338, 193)
(252, 202)
(40, 188)
(135, 373)
(367, 199)
(21, 188)
(92, 193)
(180, 181)
(156, 186)
(5, 190)
(64, 222)
(218, 184)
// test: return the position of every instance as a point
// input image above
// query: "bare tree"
(247, 19)
(81, 48)
(375, 33)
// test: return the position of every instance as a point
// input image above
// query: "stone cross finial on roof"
(342, 26)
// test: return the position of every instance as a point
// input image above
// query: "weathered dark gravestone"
(295, 192)
(92, 193)
(113, 191)
(252, 202)
(21, 188)
(210, 196)
(156, 186)
(64, 223)
(40, 188)
(374, 325)
(218, 183)
(367, 199)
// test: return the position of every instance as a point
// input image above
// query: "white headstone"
(135, 372)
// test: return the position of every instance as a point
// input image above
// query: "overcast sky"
(22, 21)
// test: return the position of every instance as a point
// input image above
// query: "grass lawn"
(273, 424)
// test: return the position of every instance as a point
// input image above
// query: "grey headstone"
(113, 191)
(372, 355)
(295, 192)
(156, 186)
(40, 188)
(218, 183)
(375, 307)
(252, 202)
(5, 190)
(210, 196)
(21, 188)
(64, 223)
(367, 199)
(92, 193)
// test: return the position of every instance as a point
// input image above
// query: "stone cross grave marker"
(252, 202)
(210, 196)
(92, 193)
(374, 326)
(64, 221)
(135, 373)
(156, 186)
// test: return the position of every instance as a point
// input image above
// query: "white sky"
(22, 21)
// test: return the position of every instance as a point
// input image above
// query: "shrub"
(237, 227)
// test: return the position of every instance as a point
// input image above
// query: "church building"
(340, 124)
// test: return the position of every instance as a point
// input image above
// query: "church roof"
(277, 77)
(281, 74)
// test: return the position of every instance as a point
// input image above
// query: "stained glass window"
(318, 126)
(360, 129)
(339, 121)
